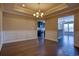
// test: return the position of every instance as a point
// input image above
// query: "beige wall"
(51, 24)
(18, 28)
(15, 22)
(51, 28)
(77, 21)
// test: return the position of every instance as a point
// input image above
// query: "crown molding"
(63, 12)
(10, 8)
(23, 10)
(57, 8)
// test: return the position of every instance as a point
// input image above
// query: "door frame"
(73, 26)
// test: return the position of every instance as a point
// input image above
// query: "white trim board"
(0, 47)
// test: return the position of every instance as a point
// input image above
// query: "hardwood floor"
(29, 48)
(35, 48)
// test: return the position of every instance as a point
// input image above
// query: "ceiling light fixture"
(38, 14)
(23, 5)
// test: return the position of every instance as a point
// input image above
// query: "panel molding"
(51, 35)
(14, 36)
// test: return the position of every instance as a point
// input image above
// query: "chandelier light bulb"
(42, 13)
(37, 13)
(34, 15)
(23, 5)
(37, 16)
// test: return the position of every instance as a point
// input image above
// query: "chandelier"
(38, 14)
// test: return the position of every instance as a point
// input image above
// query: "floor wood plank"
(30, 48)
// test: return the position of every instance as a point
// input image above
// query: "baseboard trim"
(17, 41)
(76, 46)
(52, 40)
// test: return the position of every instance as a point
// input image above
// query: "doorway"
(66, 35)
(41, 31)
(66, 28)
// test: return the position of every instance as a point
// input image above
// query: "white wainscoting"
(13, 36)
(76, 40)
(0, 47)
(0, 42)
(51, 35)
(1, 39)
